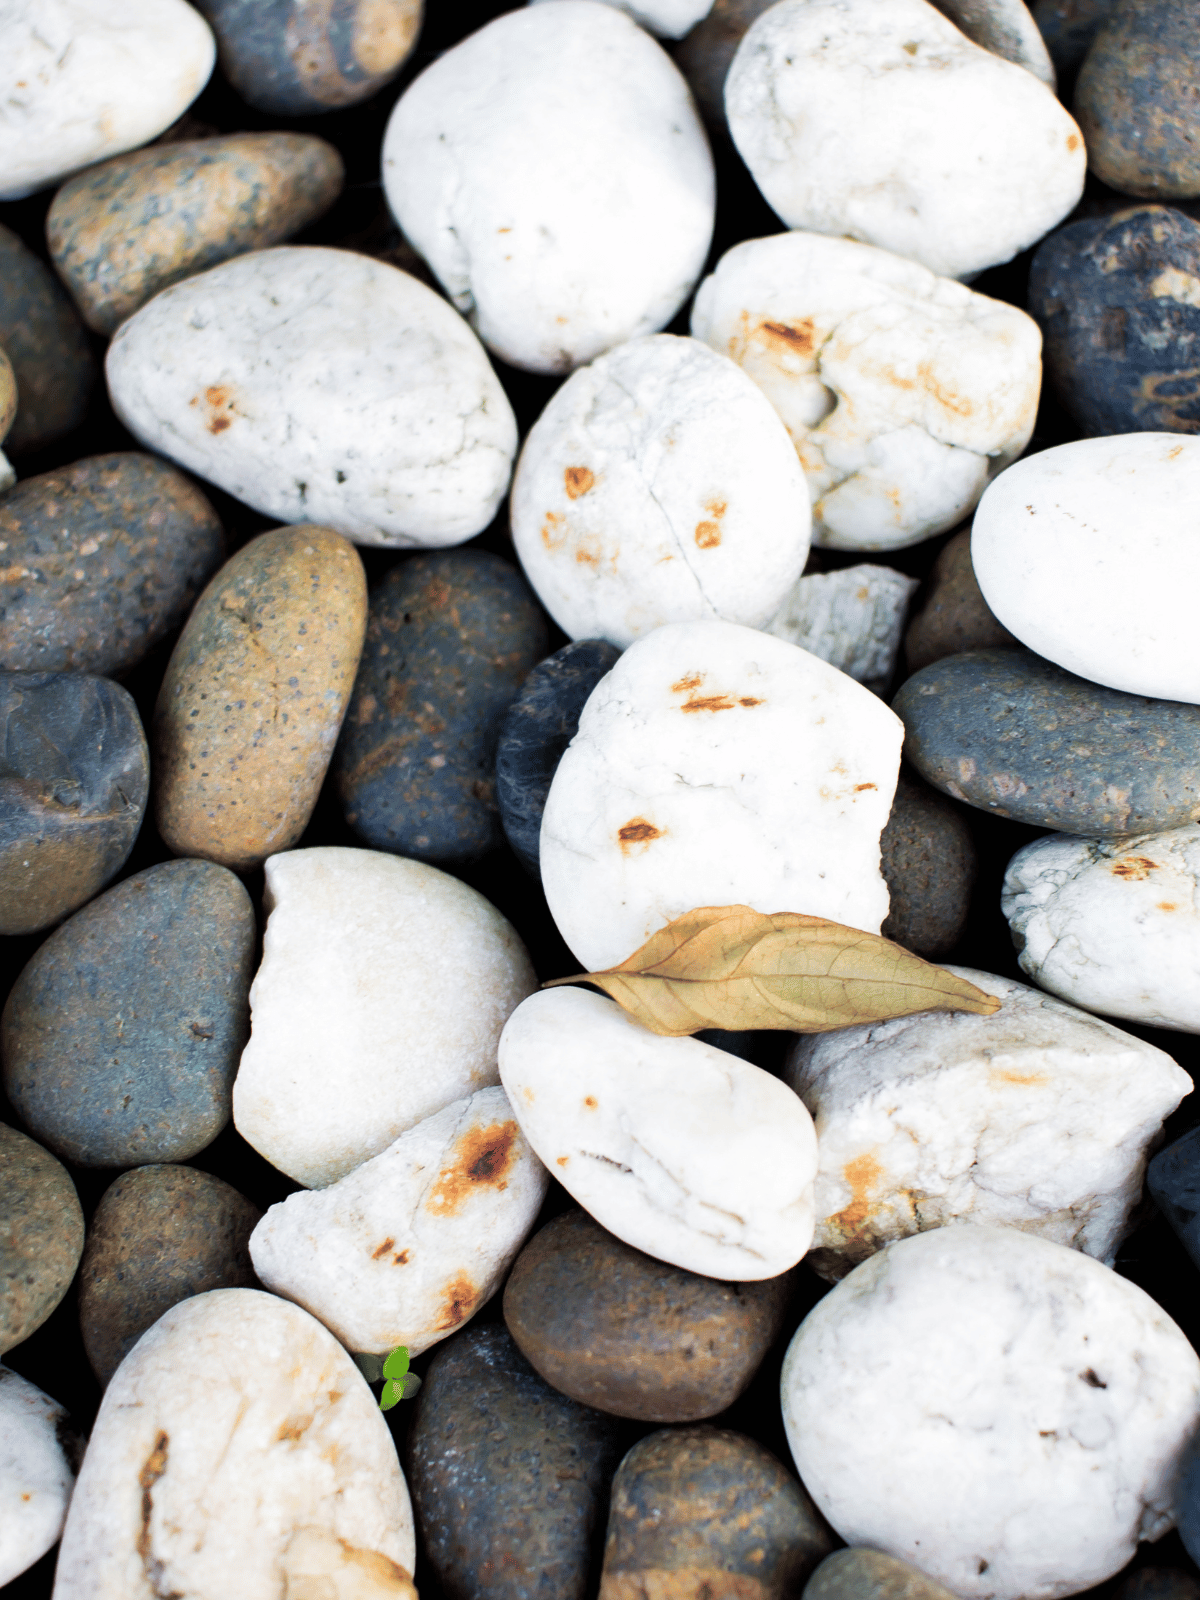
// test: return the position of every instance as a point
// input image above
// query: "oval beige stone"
(254, 696)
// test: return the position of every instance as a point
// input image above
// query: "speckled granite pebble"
(159, 1234)
(41, 1235)
(121, 1036)
(508, 1477)
(929, 863)
(1014, 735)
(120, 232)
(101, 560)
(870, 1575)
(74, 780)
(618, 1330)
(955, 616)
(47, 345)
(450, 638)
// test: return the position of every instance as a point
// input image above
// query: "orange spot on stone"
(1167, 905)
(481, 1159)
(1133, 867)
(797, 336)
(457, 1304)
(590, 1101)
(862, 1174)
(577, 481)
(553, 531)
(637, 831)
(708, 535)
(382, 1249)
(691, 680)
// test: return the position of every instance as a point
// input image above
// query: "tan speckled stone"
(8, 410)
(255, 694)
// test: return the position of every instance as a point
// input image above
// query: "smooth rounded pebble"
(43, 337)
(121, 1036)
(317, 385)
(450, 638)
(904, 393)
(1088, 554)
(954, 616)
(929, 863)
(870, 1575)
(614, 1328)
(254, 695)
(409, 1246)
(104, 558)
(120, 232)
(8, 411)
(553, 172)
(666, 19)
(659, 486)
(964, 160)
(683, 1151)
(1030, 1392)
(717, 766)
(74, 781)
(237, 1451)
(1112, 925)
(338, 1066)
(41, 1235)
(1039, 1117)
(1016, 736)
(36, 1473)
(160, 1234)
(852, 618)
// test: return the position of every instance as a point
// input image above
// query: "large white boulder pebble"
(554, 173)
(383, 988)
(999, 1411)
(716, 765)
(854, 619)
(36, 1476)
(82, 80)
(409, 1246)
(683, 1151)
(1088, 554)
(238, 1451)
(1039, 1117)
(904, 392)
(1112, 925)
(666, 19)
(962, 161)
(659, 486)
(321, 386)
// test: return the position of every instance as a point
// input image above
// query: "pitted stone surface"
(929, 861)
(41, 1235)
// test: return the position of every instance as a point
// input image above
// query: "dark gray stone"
(1173, 1179)
(929, 864)
(1158, 1583)
(870, 1575)
(1068, 27)
(1187, 1500)
(41, 1235)
(47, 345)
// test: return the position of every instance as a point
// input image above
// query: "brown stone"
(41, 1235)
(870, 1575)
(955, 616)
(254, 695)
(929, 864)
(8, 394)
(47, 345)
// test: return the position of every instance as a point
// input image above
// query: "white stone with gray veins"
(383, 988)
(82, 80)
(904, 392)
(683, 1151)
(666, 19)
(409, 1246)
(1002, 1412)
(853, 618)
(714, 766)
(238, 1451)
(554, 173)
(1088, 554)
(964, 161)
(659, 486)
(1112, 925)
(321, 386)
(1040, 1117)
(36, 1476)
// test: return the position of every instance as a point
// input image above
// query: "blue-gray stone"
(1173, 1179)
(1068, 27)
(1187, 1500)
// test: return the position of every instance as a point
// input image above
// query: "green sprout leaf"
(392, 1393)
(396, 1364)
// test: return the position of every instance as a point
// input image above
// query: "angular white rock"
(1000, 1411)
(238, 1451)
(82, 80)
(383, 988)
(903, 392)
(1088, 553)
(1112, 925)
(1040, 1117)
(884, 123)
(35, 1475)
(659, 486)
(554, 173)
(854, 619)
(321, 386)
(666, 19)
(682, 1150)
(715, 766)
(409, 1246)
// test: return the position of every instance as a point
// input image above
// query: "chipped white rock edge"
(659, 486)
(904, 392)
(1002, 1412)
(36, 1477)
(666, 19)
(317, 385)
(410, 1245)
(554, 173)
(854, 619)
(716, 765)
(964, 160)
(1112, 925)
(1088, 554)
(679, 1149)
(1040, 1117)
(383, 988)
(237, 1446)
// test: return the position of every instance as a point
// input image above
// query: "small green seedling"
(399, 1382)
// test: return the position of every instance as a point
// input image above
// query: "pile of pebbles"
(476, 488)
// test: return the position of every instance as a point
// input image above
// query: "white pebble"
(36, 1477)
(666, 19)
(853, 618)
